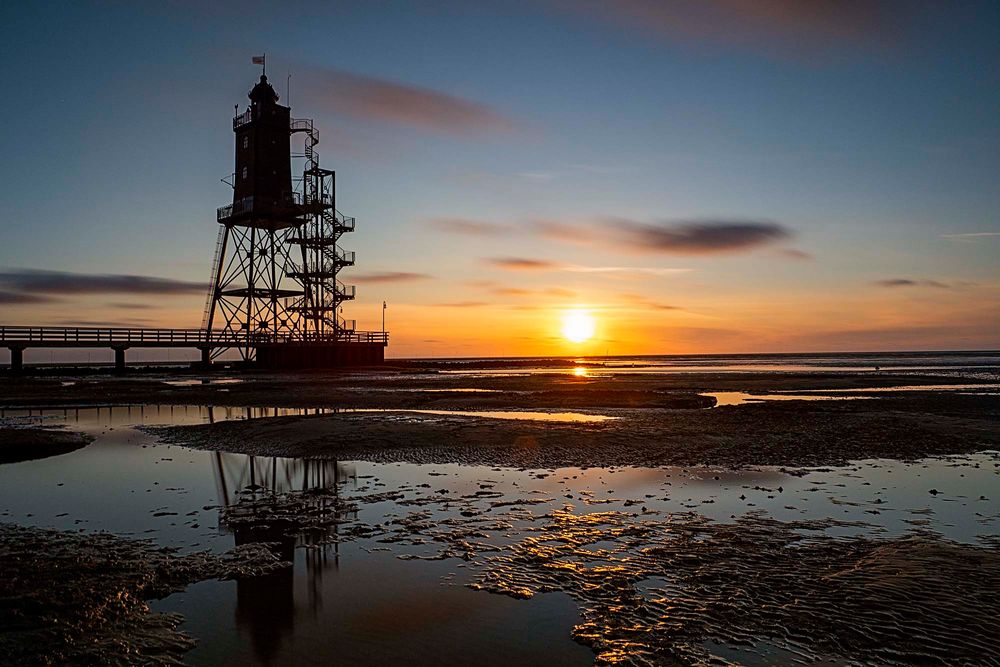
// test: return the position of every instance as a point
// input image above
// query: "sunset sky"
(702, 176)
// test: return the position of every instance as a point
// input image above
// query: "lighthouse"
(262, 181)
(276, 292)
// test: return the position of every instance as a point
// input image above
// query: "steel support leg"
(16, 359)
(120, 359)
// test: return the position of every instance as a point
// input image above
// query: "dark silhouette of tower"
(276, 292)
(263, 155)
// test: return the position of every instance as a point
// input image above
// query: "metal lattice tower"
(275, 278)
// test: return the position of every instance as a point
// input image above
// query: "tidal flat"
(749, 517)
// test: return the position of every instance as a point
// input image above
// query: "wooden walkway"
(17, 339)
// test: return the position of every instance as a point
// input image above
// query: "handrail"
(15, 335)
(242, 119)
(245, 205)
(239, 207)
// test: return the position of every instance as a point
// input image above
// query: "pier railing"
(99, 335)
(134, 337)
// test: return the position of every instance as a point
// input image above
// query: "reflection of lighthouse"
(266, 605)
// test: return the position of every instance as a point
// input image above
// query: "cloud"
(522, 264)
(466, 226)
(389, 277)
(513, 291)
(103, 323)
(386, 101)
(131, 306)
(698, 238)
(686, 237)
(783, 26)
(627, 270)
(528, 264)
(19, 298)
(916, 337)
(542, 176)
(63, 282)
(520, 291)
(910, 282)
(462, 304)
(794, 253)
(561, 231)
(645, 302)
(969, 237)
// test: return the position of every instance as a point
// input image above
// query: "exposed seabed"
(635, 525)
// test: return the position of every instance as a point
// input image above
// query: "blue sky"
(868, 134)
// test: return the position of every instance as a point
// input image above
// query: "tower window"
(246, 142)
(244, 173)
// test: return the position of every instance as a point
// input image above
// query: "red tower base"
(292, 355)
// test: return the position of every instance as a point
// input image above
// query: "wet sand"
(789, 433)
(430, 388)
(82, 599)
(654, 581)
(660, 420)
(672, 588)
(26, 444)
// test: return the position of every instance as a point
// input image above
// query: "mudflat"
(25, 444)
(697, 565)
(655, 419)
(93, 607)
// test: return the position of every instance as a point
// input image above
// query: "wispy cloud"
(699, 238)
(33, 281)
(562, 231)
(794, 253)
(20, 298)
(522, 263)
(134, 321)
(969, 237)
(131, 306)
(918, 336)
(371, 98)
(629, 270)
(784, 26)
(531, 264)
(467, 226)
(559, 292)
(542, 176)
(641, 301)
(686, 237)
(462, 304)
(513, 291)
(912, 282)
(600, 169)
(389, 277)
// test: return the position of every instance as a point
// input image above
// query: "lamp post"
(383, 319)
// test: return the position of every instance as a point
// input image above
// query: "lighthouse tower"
(275, 277)
(263, 178)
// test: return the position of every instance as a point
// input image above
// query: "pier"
(275, 292)
(285, 351)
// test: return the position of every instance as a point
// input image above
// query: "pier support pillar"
(16, 359)
(119, 359)
(206, 356)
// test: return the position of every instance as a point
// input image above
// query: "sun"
(578, 326)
